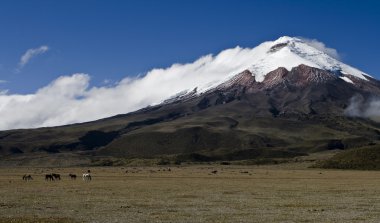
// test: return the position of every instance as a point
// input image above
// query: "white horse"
(86, 177)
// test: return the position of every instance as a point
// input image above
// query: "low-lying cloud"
(69, 99)
(360, 107)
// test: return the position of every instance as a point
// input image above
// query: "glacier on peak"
(287, 52)
(292, 52)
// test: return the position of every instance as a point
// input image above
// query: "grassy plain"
(191, 194)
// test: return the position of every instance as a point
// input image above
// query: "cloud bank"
(30, 53)
(322, 47)
(359, 107)
(69, 99)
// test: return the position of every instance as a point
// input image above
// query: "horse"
(73, 176)
(49, 177)
(27, 177)
(86, 177)
(56, 176)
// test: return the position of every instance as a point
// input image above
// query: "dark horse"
(73, 176)
(49, 177)
(27, 177)
(56, 176)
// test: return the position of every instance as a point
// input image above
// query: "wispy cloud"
(29, 54)
(2, 81)
(322, 47)
(3, 92)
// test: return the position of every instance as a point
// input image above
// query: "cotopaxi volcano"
(287, 99)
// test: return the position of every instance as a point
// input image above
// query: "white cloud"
(29, 54)
(322, 47)
(359, 107)
(3, 81)
(69, 99)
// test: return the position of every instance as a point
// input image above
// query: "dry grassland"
(191, 194)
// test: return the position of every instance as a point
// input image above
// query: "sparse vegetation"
(225, 163)
(190, 194)
(366, 158)
(164, 162)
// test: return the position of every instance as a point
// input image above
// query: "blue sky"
(110, 40)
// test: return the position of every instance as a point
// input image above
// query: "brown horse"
(73, 176)
(49, 177)
(56, 176)
(27, 177)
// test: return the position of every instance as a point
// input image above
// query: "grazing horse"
(86, 177)
(49, 177)
(56, 176)
(27, 177)
(73, 176)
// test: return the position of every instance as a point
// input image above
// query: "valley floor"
(191, 194)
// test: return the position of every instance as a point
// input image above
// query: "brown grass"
(191, 194)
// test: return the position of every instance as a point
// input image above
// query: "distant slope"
(366, 158)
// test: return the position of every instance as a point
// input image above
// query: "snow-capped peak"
(285, 39)
(287, 52)
(290, 52)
